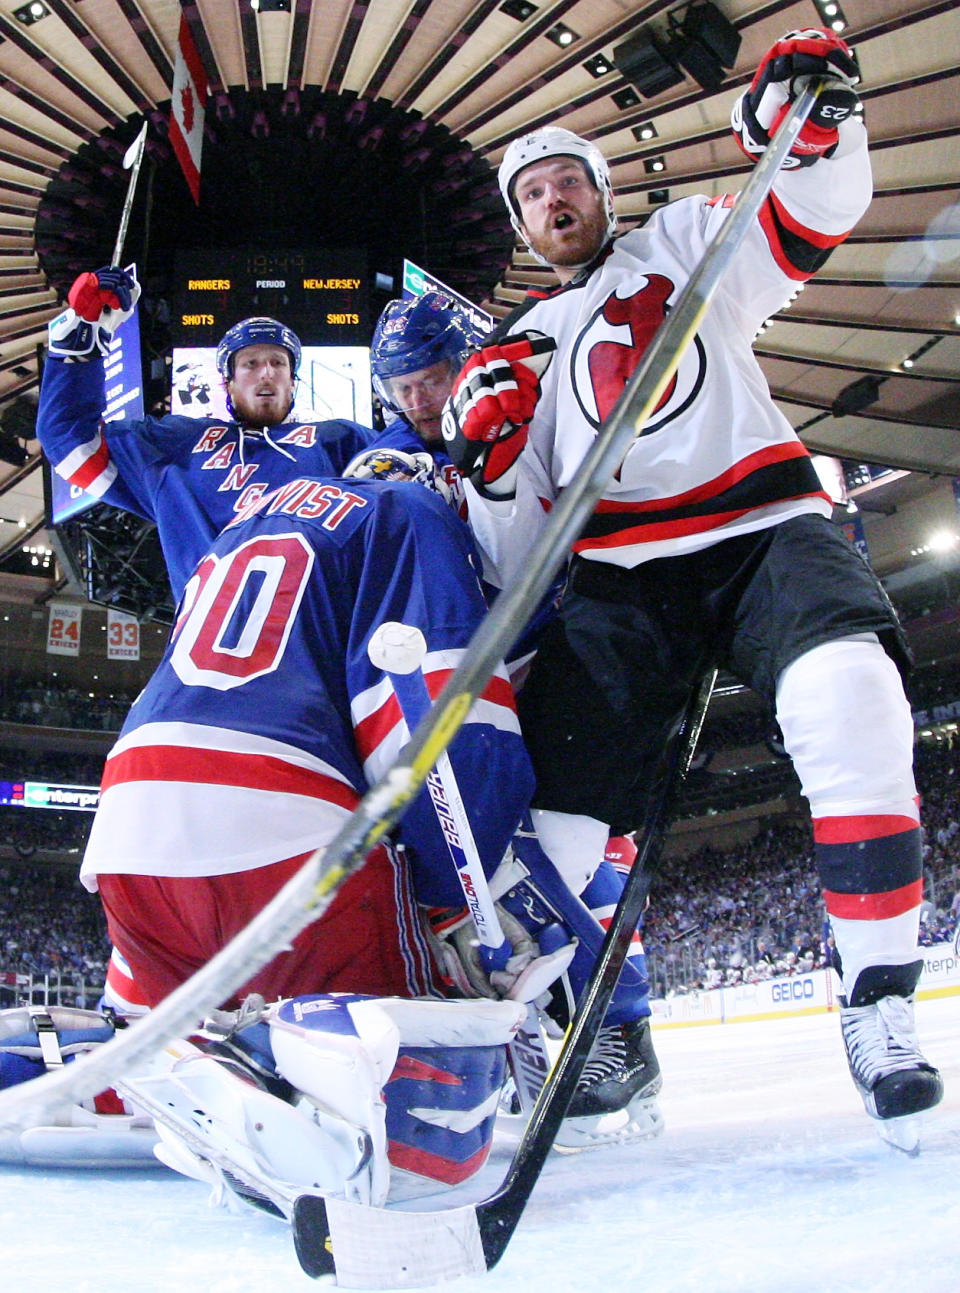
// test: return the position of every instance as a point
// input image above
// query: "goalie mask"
(258, 331)
(539, 146)
(414, 334)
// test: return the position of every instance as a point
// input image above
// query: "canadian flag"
(187, 108)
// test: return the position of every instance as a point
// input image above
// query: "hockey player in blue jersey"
(266, 722)
(262, 727)
(189, 475)
(417, 347)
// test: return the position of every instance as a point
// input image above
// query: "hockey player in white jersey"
(713, 544)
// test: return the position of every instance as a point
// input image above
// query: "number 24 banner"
(63, 629)
(123, 636)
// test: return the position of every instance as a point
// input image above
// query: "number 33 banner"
(63, 629)
(123, 636)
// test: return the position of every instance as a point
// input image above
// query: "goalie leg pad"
(441, 1109)
(99, 1132)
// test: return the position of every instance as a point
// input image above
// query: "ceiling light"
(598, 66)
(906, 363)
(561, 35)
(652, 165)
(942, 541)
(838, 24)
(626, 98)
(31, 13)
(656, 196)
(519, 9)
(646, 130)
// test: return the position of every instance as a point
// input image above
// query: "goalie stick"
(310, 891)
(399, 650)
(376, 1248)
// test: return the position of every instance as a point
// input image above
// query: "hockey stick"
(307, 894)
(375, 1248)
(399, 651)
(132, 160)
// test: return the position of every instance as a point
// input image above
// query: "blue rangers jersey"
(399, 434)
(266, 721)
(189, 475)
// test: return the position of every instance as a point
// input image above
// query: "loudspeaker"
(645, 63)
(856, 397)
(706, 24)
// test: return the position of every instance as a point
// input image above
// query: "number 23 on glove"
(814, 52)
(487, 417)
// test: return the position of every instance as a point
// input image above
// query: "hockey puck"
(397, 648)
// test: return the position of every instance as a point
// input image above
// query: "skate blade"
(641, 1120)
(902, 1133)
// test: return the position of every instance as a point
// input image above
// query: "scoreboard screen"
(323, 294)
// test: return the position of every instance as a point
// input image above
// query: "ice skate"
(895, 1081)
(616, 1098)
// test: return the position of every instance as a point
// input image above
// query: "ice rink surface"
(769, 1179)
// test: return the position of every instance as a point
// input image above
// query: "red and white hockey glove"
(98, 302)
(486, 419)
(786, 66)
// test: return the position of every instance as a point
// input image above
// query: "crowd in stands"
(716, 917)
(50, 925)
(754, 911)
(51, 702)
(28, 831)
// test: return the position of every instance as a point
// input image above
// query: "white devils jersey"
(716, 458)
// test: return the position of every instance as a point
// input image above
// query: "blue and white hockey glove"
(397, 464)
(97, 303)
(814, 52)
(525, 976)
(486, 420)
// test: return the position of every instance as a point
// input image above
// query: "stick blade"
(130, 156)
(311, 1236)
(377, 1248)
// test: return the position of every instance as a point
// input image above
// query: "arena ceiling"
(381, 122)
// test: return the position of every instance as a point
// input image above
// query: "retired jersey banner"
(123, 636)
(63, 629)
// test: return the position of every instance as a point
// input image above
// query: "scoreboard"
(322, 294)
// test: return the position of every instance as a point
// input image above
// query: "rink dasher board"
(798, 994)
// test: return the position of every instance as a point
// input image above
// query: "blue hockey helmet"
(416, 333)
(258, 331)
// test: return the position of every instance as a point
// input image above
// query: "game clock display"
(323, 295)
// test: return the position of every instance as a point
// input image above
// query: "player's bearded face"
(261, 388)
(421, 395)
(561, 211)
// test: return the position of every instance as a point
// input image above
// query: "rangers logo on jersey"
(610, 346)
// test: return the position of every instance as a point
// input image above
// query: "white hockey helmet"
(554, 141)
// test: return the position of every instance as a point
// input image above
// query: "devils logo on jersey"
(609, 349)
